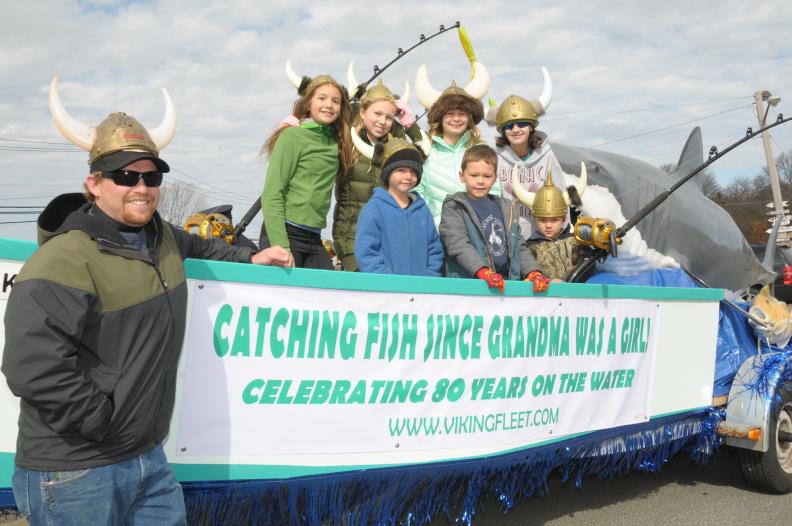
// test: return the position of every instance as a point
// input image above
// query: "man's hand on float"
(493, 279)
(275, 255)
(404, 113)
(539, 280)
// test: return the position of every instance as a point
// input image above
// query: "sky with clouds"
(632, 78)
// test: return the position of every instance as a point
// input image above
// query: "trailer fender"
(751, 398)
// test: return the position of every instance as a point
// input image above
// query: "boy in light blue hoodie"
(396, 233)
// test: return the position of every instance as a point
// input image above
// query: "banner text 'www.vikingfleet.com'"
(471, 424)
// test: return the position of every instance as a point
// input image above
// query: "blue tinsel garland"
(416, 495)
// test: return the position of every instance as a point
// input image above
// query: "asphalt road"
(683, 493)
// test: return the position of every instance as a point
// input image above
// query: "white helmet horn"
(547, 91)
(366, 150)
(405, 97)
(76, 132)
(479, 85)
(424, 91)
(293, 77)
(163, 134)
(526, 197)
(425, 144)
(352, 82)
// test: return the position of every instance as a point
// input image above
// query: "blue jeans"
(139, 491)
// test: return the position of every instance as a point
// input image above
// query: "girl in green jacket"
(373, 123)
(304, 161)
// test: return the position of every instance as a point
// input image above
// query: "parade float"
(318, 397)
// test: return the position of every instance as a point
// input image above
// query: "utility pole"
(764, 99)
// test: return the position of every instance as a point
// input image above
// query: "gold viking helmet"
(394, 150)
(390, 147)
(467, 99)
(549, 200)
(395, 145)
(121, 132)
(546, 202)
(515, 109)
(118, 132)
(378, 92)
(396, 153)
(305, 84)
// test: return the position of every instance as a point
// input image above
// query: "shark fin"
(691, 157)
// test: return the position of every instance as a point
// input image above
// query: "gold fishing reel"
(210, 226)
(597, 232)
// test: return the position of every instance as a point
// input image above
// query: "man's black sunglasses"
(131, 178)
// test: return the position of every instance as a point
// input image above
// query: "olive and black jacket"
(94, 329)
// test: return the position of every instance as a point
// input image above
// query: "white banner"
(9, 271)
(287, 370)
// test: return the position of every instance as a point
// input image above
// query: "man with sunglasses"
(94, 327)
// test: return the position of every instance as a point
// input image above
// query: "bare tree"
(178, 201)
(784, 166)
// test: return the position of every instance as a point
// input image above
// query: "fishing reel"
(597, 232)
(210, 226)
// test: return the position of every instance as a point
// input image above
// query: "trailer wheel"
(772, 471)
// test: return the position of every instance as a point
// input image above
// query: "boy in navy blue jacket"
(395, 230)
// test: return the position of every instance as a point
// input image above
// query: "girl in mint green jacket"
(453, 117)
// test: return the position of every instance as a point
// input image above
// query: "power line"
(37, 149)
(35, 142)
(637, 110)
(217, 188)
(667, 127)
(16, 222)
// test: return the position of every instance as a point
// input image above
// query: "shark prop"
(687, 229)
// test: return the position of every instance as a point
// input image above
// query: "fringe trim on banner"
(418, 494)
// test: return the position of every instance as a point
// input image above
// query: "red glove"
(540, 281)
(493, 279)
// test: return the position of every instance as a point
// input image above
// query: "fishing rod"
(422, 39)
(255, 208)
(612, 237)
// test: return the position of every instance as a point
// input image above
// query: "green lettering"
(348, 336)
(329, 335)
(276, 342)
(372, 334)
(262, 319)
(494, 338)
(241, 345)
(224, 316)
(248, 394)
